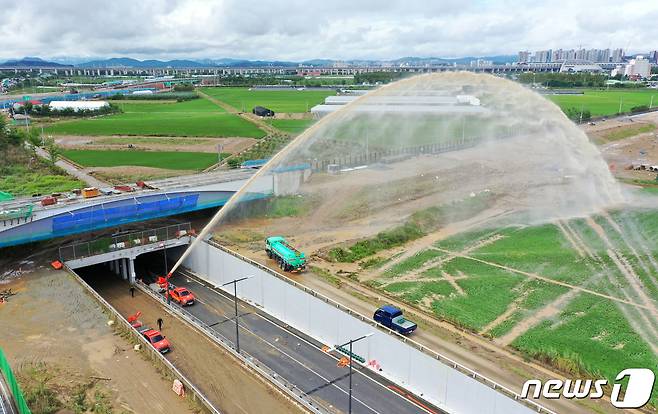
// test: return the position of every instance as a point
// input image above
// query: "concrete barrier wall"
(402, 361)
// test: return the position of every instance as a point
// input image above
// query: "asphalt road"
(6, 406)
(298, 360)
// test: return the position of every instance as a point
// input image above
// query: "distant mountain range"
(124, 62)
(32, 62)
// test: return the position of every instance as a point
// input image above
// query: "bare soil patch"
(197, 144)
(128, 174)
(53, 329)
(623, 153)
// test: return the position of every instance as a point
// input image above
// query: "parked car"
(156, 339)
(391, 317)
(181, 295)
(48, 201)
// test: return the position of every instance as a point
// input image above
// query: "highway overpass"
(24, 221)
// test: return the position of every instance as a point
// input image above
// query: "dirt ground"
(53, 326)
(231, 387)
(196, 144)
(621, 154)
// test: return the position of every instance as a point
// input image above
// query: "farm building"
(435, 104)
(78, 105)
(262, 111)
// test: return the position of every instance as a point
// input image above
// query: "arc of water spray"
(286, 150)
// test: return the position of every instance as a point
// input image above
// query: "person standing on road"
(160, 324)
(132, 291)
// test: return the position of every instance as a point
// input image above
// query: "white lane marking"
(305, 341)
(284, 352)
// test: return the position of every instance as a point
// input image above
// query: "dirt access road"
(229, 385)
(51, 324)
(621, 154)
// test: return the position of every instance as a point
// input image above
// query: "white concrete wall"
(403, 363)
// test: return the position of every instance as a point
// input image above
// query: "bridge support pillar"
(124, 268)
(111, 263)
(131, 271)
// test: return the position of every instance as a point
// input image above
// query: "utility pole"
(167, 274)
(349, 343)
(235, 301)
(220, 147)
(463, 129)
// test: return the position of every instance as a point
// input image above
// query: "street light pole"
(235, 301)
(350, 342)
(349, 409)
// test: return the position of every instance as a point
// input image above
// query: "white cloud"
(339, 29)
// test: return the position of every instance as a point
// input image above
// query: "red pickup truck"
(181, 295)
(156, 339)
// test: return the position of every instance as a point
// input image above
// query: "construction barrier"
(13, 385)
(99, 215)
(434, 377)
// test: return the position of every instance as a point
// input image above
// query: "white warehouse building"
(78, 105)
(638, 67)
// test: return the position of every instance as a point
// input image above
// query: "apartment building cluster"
(561, 55)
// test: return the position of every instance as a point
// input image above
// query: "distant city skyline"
(593, 55)
(296, 30)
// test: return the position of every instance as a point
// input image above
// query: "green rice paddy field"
(292, 126)
(606, 102)
(293, 100)
(489, 288)
(155, 159)
(198, 117)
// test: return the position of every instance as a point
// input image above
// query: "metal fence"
(384, 155)
(13, 385)
(123, 241)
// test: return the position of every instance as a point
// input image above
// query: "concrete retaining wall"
(451, 387)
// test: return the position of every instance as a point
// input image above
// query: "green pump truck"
(288, 258)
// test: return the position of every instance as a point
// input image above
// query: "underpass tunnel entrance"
(146, 268)
(149, 266)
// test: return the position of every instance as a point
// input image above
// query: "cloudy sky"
(335, 29)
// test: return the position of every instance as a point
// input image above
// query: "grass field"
(21, 176)
(293, 100)
(292, 126)
(575, 331)
(604, 102)
(629, 132)
(197, 117)
(155, 159)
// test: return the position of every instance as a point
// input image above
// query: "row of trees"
(378, 77)
(45, 110)
(165, 96)
(15, 139)
(578, 114)
(564, 80)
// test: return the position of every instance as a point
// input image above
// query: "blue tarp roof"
(254, 163)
